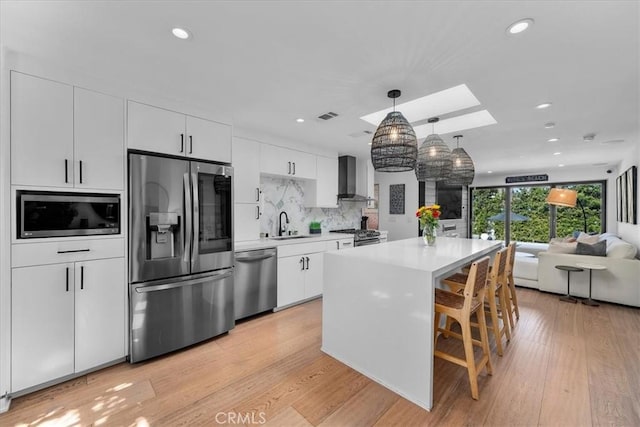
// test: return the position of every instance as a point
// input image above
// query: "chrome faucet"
(282, 229)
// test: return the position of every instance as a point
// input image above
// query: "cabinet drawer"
(301, 248)
(27, 254)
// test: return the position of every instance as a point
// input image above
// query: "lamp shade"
(434, 160)
(562, 197)
(462, 168)
(394, 147)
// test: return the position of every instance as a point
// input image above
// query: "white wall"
(399, 226)
(630, 232)
(558, 175)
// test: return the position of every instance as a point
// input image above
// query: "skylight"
(439, 103)
(456, 124)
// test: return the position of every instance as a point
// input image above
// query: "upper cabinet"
(64, 136)
(246, 170)
(323, 192)
(285, 162)
(163, 131)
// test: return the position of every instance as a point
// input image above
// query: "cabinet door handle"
(289, 172)
(80, 171)
(74, 250)
(82, 277)
(294, 168)
(182, 142)
(257, 194)
(66, 171)
(302, 262)
(257, 212)
(307, 258)
(190, 144)
(337, 245)
(67, 279)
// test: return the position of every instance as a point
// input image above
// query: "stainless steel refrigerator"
(180, 252)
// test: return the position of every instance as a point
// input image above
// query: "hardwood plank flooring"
(566, 365)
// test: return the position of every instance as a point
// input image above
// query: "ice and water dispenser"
(163, 232)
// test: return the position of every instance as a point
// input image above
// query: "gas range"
(361, 237)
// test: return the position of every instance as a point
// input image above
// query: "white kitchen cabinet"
(337, 244)
(208, 140)
(246, 224)
(162, 131)
(291, 275)
(42, 333)
(98, 140)
(246, 170)
(64, 136)
(99, 312)
(323, 191)
(286, 162)
(299, 272)
(41, 131)
(66, 317)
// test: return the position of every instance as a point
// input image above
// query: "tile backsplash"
(281, 194)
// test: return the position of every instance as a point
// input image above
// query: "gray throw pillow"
(597, 249)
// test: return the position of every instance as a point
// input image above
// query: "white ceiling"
(262, 64)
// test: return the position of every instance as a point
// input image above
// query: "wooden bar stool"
(460, 307)
(512, 297)
(495, 297)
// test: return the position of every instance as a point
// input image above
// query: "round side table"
(568, 269)
(591, 267)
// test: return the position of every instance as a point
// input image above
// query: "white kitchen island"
(378, 308)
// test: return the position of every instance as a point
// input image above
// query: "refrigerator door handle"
(155, 288)
(195, 248)
(188, 221)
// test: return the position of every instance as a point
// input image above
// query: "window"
(531, 219)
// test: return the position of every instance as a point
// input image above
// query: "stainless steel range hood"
(348, 183)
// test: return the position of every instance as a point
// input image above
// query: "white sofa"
(619, 283)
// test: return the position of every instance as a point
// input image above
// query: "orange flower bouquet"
(428, 217)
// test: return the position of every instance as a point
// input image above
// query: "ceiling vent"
(327, 116)
(589, 137)
(360, 133)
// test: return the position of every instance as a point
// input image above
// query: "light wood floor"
(566, 365)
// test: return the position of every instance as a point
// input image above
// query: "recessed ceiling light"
(557, 153)
(543, 105)
(553, 139)
(181, 33)
(300, 120)
(560, 165)
(370, 143)
(489, 171)
(549, 125)
(520, 26)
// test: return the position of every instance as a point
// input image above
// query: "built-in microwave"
(56, 214)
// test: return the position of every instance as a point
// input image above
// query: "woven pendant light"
(463, 169)
(394, 147)
(434, 158)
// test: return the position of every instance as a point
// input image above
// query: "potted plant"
(314, 227)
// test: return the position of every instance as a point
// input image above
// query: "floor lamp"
(567, 198)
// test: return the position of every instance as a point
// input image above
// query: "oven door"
(212, 217)
(367, 242)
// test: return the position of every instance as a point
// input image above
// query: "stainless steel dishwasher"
(255, 282)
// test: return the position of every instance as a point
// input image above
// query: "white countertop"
(413, 253)
(270, 243)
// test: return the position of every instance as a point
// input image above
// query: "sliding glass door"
(521, 213)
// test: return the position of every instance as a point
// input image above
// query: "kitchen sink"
(294, 236)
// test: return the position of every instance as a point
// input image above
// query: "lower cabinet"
(299, 278)
(65, 318)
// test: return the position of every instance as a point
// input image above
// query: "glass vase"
(429, 235)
